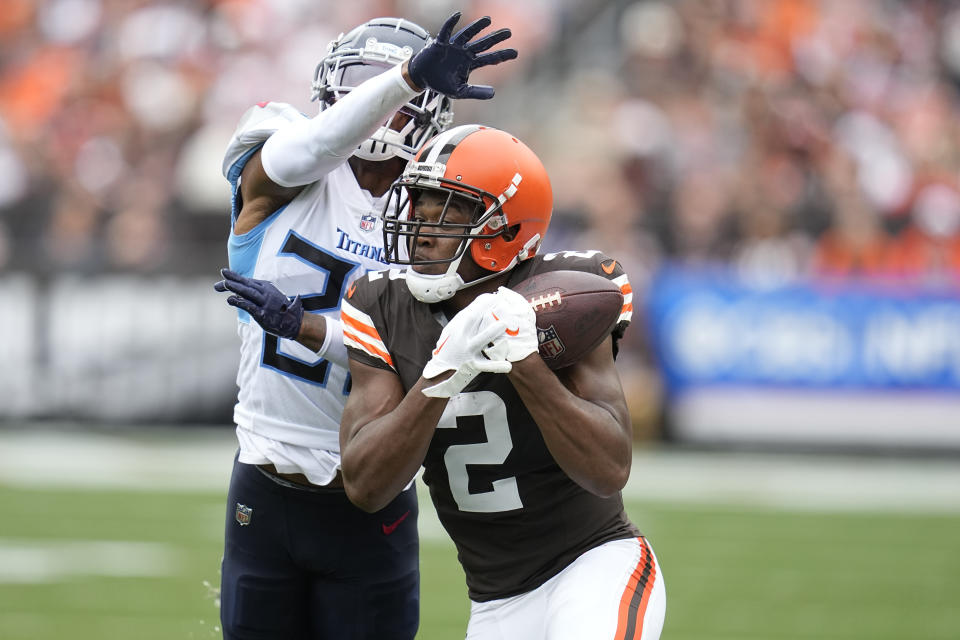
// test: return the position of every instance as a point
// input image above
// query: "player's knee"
(255, 609)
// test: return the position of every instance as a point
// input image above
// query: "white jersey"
(315, 246)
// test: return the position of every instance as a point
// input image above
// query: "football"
(576, 310)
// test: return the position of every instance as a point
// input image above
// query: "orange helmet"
(501, 175)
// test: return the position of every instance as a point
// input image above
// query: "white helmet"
(366, 51)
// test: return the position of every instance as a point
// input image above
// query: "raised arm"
(306, 150)
(303, 151)
(260, 196)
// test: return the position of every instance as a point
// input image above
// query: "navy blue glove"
(274, 311)
(444, 65)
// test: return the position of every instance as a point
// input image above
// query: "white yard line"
(787, 481)
(34, 562)
(137, 459)
(196, 459)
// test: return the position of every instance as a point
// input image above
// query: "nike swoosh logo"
(390, 528)
(510, 332)
(437, 350)
(353, 287)
(609, 270)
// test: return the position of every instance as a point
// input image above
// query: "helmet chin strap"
(439, 287)
(432, 288)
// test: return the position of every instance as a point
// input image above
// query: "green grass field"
(96, 564)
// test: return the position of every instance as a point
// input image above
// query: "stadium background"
(778, 177)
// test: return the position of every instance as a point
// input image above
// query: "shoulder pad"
(599, 263)
(363, 313)
(592, 261)
(256, 125)
(368, 290)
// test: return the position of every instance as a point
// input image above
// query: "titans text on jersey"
(358, 248)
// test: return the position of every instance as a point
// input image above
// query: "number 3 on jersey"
(337, 271)
(505, 495)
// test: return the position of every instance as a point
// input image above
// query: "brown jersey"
(516, 518)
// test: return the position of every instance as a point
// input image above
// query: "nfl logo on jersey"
(367, 222)
(550, 345)
(244, 513)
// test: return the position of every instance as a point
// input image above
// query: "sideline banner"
(744, 354)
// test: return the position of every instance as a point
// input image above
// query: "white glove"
(519, 339)
(461, 345)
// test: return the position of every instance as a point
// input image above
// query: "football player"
(300, 561)
(525, 465)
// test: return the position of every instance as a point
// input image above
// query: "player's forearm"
(380, 456)
(589, 441)
(405, 72)
(313, 331)
(304, 151)
(324, 335)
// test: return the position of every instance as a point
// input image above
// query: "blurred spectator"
(69, 241)
(928, 251)
(700, 207)
(784, 138)
(768, 248)
(855, 244)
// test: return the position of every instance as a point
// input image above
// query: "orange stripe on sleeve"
(626, 288)
(362, 327)
(373, 350)
(636, 595)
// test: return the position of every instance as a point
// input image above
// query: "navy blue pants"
(300, 564)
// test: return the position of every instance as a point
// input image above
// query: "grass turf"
(731, 573)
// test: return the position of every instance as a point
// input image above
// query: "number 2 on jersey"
(337, 271)
(490, 407)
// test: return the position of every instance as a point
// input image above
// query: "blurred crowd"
(785, 138)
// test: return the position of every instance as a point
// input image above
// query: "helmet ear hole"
(422, 119)
(511, 232)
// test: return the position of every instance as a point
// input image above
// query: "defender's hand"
(271, 308)
(445, 64)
